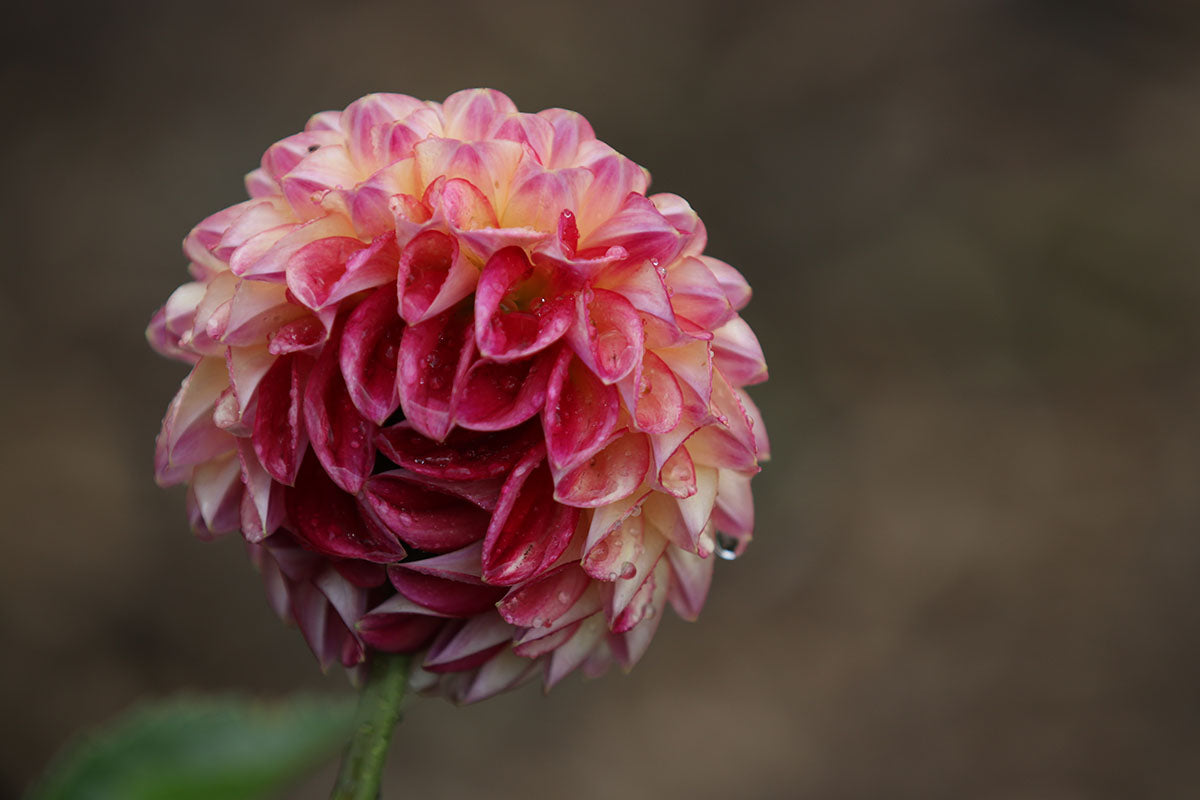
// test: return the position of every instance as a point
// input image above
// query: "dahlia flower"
(466, 390)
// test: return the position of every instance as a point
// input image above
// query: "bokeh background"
(971, 228)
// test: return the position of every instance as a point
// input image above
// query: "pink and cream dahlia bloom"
(466, 391)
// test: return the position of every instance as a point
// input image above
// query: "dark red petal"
(279, 436)
(499, 396)
(398, 633)
(421, 515)
(529, 530)
(448, 597)
(326, 519)
(369, 355)
(342, 439)
(434, 358)
(464, 456)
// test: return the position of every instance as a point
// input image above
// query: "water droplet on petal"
(727, 547)
(564, 597)
(612, 576)
(628, 570)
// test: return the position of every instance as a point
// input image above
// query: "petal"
(613, 473)
(481, 636)
(189, 436)
(529, 529)
(654, 395)
(434, 358)
(327, 519)
(500, 396)
(737, 353)
(342, 439)
(432, 276)
(697, 296)
(606, 334)
(581, 412)
(369, 355)
(541, 602)
(691, 576)
(328, 270)
(449, 597)
(736, 289)
(367, 125)
(423, 515)
(475, 113)
(279, 436)
(464, 456)
(504, 335)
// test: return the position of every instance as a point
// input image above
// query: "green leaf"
(191, 748)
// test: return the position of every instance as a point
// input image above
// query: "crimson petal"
(529, 529)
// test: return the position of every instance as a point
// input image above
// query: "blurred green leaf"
(193, 748)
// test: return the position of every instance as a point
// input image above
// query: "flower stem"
(378, 713)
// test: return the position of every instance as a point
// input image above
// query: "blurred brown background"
(971, 228)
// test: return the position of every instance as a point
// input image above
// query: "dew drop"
(564, 597)
(612, 576)
(537, 622)
(727, 547)
(628, 570)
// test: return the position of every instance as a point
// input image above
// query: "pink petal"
(529, 529)
(570, 130)
(696, 509)
(610, 475)
(475, 113)
(654, 395)
(691, 576)
(262, 505)
(298, 336)
(331, 269)
(367, 125)
(481, 637)
(580, 415)
(342, 439)
(327, 168)
(267, 255)
(434, 358)
(432, 276)
(734, 510)
(279, 436)
(189, 435)
(539, 196)
(737, 353)
(327, 520)
(464, 456)
(217, 489)
(614, 178)
(500, 396)
(736, 289)
(606, 334)
(697, 296)
(686, 221)
(508, 335)
(542, 601)
(421, 515)
(568, 656)
(463, 565)
(629, 647)
(369, 355)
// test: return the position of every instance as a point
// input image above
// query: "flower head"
(466, 390)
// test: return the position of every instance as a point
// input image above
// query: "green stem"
(378, 713)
